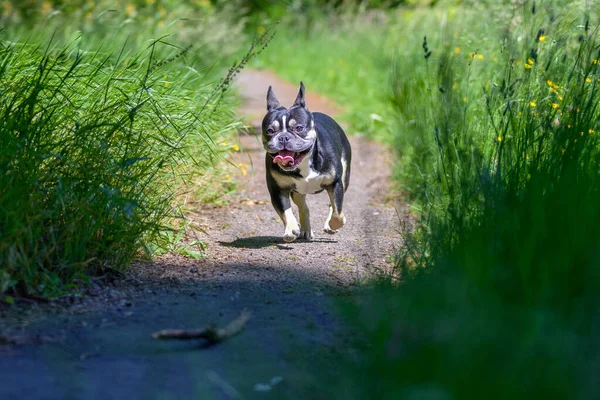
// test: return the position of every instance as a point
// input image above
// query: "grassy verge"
(103, 131)
(493, 112)
(499, 294)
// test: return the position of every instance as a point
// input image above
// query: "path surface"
(100, 346)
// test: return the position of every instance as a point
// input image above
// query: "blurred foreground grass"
(493, 111)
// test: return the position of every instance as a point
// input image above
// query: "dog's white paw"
(291, 235)
(306, 235)
(337, 221)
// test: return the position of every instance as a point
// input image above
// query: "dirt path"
(100, 347)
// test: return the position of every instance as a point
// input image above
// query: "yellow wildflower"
(236, 147)
(554, 105)
(591, 131)
(130, 10)
(261, 29)
(532, 103)
(552, 84)
(542, 38)
(527, 66)
(228, 178)
(530, 61)
(595, 62)
(588, 80)
(46, 7)
(457, 50)
(500, 138)
(480, 56)
(161, 23)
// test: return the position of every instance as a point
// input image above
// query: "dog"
(306, 154)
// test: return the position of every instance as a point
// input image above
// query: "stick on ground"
(212, 333)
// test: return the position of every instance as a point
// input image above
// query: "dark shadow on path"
(259, 242)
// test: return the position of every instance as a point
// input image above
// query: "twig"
(212, 334)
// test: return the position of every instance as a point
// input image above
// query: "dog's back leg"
(336, 218)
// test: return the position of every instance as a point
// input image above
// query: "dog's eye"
(299, 128)
(270, 131)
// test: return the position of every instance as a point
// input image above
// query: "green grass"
(499, 292)
(106, 131)
(495, 293)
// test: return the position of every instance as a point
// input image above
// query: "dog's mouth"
(289, 160)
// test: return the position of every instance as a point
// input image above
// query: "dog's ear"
(300, 102)
(272, 102)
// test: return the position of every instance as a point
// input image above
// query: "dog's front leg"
(336, 218)
(281, 202)
(305, 230)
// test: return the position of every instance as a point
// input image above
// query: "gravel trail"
(100, 346)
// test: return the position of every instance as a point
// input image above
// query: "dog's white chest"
(310, 180)
(311, 184)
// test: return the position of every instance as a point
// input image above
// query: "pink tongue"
(284, 157)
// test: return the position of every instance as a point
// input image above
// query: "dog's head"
(288, 134)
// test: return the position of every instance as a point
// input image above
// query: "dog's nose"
(283, 139)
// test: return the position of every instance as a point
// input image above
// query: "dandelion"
(236, 147)
(542, 38)
(555, 105)
(595, 62)
(228, 178)
(457, 50)
(479, 56)
(560, 97)
(552, 84)
(530, 61)
(591, 131)
(587, 80)
(527, 66)
(532, 103)
(500, 138)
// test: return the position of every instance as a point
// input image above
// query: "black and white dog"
(306, 154)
